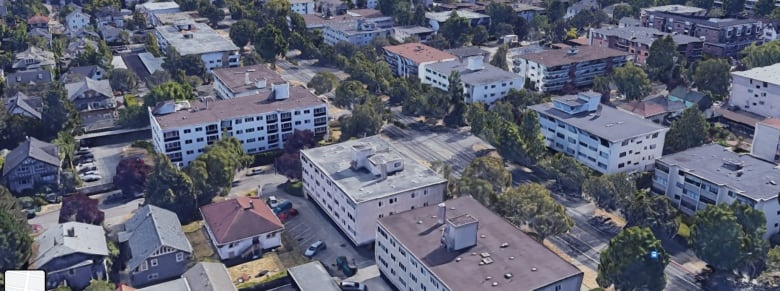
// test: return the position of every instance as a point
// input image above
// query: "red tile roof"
(419, 53)
(240, 218)
(38, 19)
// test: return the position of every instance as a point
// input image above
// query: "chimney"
(281, 90)
(460, 233)
(246, 79)
(70, 232)
(475, 63)
(383, 170)
(442, 213)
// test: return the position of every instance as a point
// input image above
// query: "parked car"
(29, 212)
(84, 152)
(80, 167)
(353, 286)
(84, 160)
(272, 201)
(345, 266)
(87, 169)
(235, 183)
(91, 178)
(283, 205)
(315, 248)
(89, 173)
(52, 198)
(255, 171)
(287, 214)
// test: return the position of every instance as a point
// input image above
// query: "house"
(657, 109)
(766, 140)
(638, 40)
(466, 52)
(580, 5)
(609, 10)
(91, 97)
(38, 21)
(527, 12)
(712, 174)
(92, 72)
(112, 34)
(262, 121)
(109, 16)
(461, 245)
(402, 33)
(409, 59)
(302, 6)
(43, 33)
(31, 164)
(149, 9)
(190, 38)
(757, 90)
(603, 138)
(563, 69)
(204, 276)
(77, 20)
(771, 30)
(359, 181)
(481, 82)
(312, 276)
(436, 19)
(358, 33)
(691, 98)
(331, 7)
(241, 226)
(315, 21)
(29, 106)
(154, 246)
(29, 78)
(33, 58)
(72, 253)
(723, 37)
(244, 81)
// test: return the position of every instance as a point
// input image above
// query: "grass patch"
(289, 254)
(684, 230)
(131, 100)
(274, 276)
(201, 246)
(191, 227)
(294, 188)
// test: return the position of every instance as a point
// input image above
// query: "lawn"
(294, 188)
(131, 100)
(201, 246)
(270, 262)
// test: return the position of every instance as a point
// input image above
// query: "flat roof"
(558, 57)
(767, 74)
(608, 123)
(531, 265)
(204, 39)
(160, 5)
(675, 8)
(645, 35)
(758, 182)
(489, 74)
(442, 16)
(413, 29)
(312, 276)
(237, 107)
(468, 51)
(419, 53)
(171, 18)
(235, 78)
(361, 185)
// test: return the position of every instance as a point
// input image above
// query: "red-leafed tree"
(131, 175)
(289, 164)
(81, 208)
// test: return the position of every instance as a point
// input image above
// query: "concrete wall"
(766, 142)
(755, 96)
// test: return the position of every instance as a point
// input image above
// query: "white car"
(89, 173)
(272, 201)
(85, 165)
(314, 248)
(256, 171)
(91, 178)
(353, 286)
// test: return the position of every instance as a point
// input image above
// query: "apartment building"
(481, 82)
(557, 69)
(723, 37)
(757, 90)
(314, 21)
(637, 41)
(149, 9)
(676, 9)
(191, 38)
(436, 19)
(261, 122)
(603, 138)
(302, 6)
(408, 59)
(477, 250)
(359, 181)
(766, 140)
(244, 81)
(358, 33)
(711, 174)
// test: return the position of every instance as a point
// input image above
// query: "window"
(200, 139)
(153, 262)
(179, 257)
(153, 276)
(187, 130)
(143, 267)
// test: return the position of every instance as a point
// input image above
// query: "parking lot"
(107, 157)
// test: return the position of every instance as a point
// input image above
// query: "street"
(114, 213)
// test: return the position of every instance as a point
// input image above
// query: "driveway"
(107, 157)
(114, 213)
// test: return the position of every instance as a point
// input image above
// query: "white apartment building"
(603, 138)
(407, 59)
(244, 81)
(552, 70)
(481, 82)
(360, 33)
(190, 38)
(766, 140)
(77, 20)
(437, 19)
(149, 9)
(302, 6)
(757, 90)
(461, 245)
(359, 181)
(261, 122)
(711, 174)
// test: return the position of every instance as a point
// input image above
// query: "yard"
(202, 249)
(247, 274)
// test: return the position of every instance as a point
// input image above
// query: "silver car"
(91, 178)
(314, 248)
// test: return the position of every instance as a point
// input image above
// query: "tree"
(763, 7)
(98, 285)
(531, 135)
(456, 30)
(168, 91)
(213, 14)
(242, 31)
(213, 171)
(152, 46)
(270, 43)
(569, 173)
(652, 211)
(716, 237)
(733, 7)
(771, 275)
(157, 78)
(480, 35)
(601, 192)
(67, 147)
(15, 242)
(81, 208)
(350, 93)
(662, 59)
(170, 188)
(323, 82)
(601, 85)
(762, 55)
(714, 76)
(499, 59)
(457, 106)
(754, 246)
(631, 81)
(289, 164)
(634, 260)
(705, 4)
(489, 168)
(191, 65)
(131, 175)
(691, 130)
(123, 80)
(10, 205)
(532, 205)
(588, 18)
(366, 119)
(622, 11)
(58, 112)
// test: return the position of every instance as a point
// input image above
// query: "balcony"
(320, 112)
(171, 138)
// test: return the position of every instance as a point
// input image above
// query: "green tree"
(532, 205)
(634, 260)
(98, 285)
(366, 119)
(714, 76)
(662, 58)
(622, 11)
(350, 93)
(242, 31)
(569, 173)
(10, 205)
(168, 91)
(67, 147)
(170, 188)
(123, 80)
(15, 242)
(771, 275)
(691, 130)
(588, 18)
(480, 35)
(456, 30)
(733, 7)
(270, 43)
(601, 191)
(716, 237)
(652, 211)
(754, 246)
(58, 112)
(601, 84)
(215, 169)
(323, 82)
(762, 55)
(500, 59)
(531, 135)
(213, 14)
(491, 169)
(191, 65)
(763, 7)
(157, 78)
(705, 4)
(152, 46)
(457, 101)
(631, 81)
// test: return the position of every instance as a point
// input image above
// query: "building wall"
(718, 42)
(30, 173)
(333, 36)
(755, 96)
(167, 268)
(552, 79)
(358, 220)
(487, 93)
(217, 59)
(257, 134)
(766, 143)
(303, 7)
(237, 248)
(77, 21)
(60, 269)
(634, 154)
(680, 185)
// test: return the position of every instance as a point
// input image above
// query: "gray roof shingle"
(209, 277)
(33, 148)
(36, 76)
(101, 86)
(69, 238)
(149, 229)
(488, 74)
(31, 104)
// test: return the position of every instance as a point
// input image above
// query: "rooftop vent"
(733, 165)
(460, 233)
(572, 51)
(188, 35)
(508, 275)
(533, 269)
